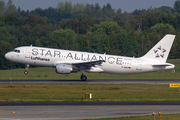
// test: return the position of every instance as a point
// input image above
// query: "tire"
(25, 72)
(83, 78)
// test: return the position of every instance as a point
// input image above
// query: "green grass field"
(70, 93)
(49, 73)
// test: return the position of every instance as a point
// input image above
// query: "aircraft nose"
(7, 56)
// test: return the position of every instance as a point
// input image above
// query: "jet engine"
(63, 69)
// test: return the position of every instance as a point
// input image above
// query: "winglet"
(161, 50)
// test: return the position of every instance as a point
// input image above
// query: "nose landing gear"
(26, 71)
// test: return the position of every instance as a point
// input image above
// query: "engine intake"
(63, 69)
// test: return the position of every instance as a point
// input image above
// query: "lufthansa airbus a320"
(67, 61)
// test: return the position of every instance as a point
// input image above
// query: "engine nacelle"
(63, 69)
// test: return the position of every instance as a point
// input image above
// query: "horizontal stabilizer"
(162, 64)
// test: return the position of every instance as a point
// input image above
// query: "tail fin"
(161, 50)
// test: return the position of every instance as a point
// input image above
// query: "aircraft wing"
(81, 65)
(88, 64)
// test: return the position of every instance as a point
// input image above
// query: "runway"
(82, 111)
(94, 81)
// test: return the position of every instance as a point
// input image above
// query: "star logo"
(159, 52)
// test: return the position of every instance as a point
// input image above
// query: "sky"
(125, 5)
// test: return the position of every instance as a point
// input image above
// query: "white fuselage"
(49, 57)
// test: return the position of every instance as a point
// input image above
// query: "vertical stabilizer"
(161, 50)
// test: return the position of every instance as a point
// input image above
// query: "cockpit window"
(17, 51)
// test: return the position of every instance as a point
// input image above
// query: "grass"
(146, 117)
(70, 93)
(49, 73)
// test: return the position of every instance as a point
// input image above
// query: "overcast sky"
(125, 5)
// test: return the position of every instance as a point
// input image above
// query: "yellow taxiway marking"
(5, 112)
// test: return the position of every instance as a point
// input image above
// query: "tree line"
(89, 28)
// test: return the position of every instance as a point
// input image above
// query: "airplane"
(67, 61)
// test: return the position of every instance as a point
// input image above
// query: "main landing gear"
(83, 77)
(26, 71)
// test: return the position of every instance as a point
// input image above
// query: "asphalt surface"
(95, 81)
(61, 112)
(86, 103)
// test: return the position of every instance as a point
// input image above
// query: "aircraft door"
(28, 53)
(139, 65)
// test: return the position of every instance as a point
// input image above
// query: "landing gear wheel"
(25, 72)
(83, 78)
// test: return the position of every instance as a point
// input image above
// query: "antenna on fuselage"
(31, 45)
